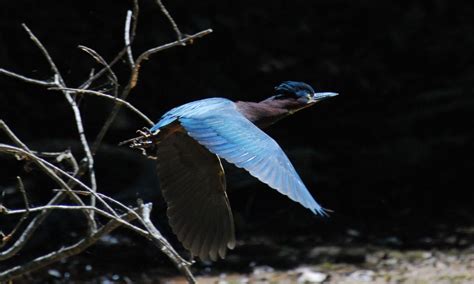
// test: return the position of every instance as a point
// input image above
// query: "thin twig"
(145, 55)
(128, 20)
(77, 117)
(101, 72)
(29, 230)
(133, 81)
(51, 170)
(112, 77)
(75, 208)
(26, 212)
(60, 156)
(45, 52)
(135, 13)
(121, 53)
(42, 166)
(65, 251)
(163, 244)
(179, 35)
(91, 74)
(105, 197)
(26, 79)
(120, 101)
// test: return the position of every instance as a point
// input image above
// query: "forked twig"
(117, 100)
(100, 204)
(65, 251)
(77, 116)
(25, 215)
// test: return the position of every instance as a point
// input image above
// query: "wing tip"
(322, 212)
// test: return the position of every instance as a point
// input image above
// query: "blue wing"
(222, 129)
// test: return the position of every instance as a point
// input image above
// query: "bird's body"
(192, 138)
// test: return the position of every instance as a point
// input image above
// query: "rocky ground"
(263, 259)
(381, 266)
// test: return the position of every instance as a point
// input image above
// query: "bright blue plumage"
(191, 139)
(217, 125)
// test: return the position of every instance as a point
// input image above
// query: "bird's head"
(297, 95)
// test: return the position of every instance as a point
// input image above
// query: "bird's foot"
(145, 142)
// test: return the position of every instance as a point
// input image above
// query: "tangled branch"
(84, 196)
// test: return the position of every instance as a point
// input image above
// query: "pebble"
(309, 276)
(54, 273)
(362, 275)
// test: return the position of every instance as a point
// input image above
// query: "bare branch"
(131, 61)
(179, 35)
(26, 212)
(103, 70)
(162, 243)
(122, 52)
(152, 232)
(41, 163)
(77, 116)
(48, 169)
(66, 181)
(76, 208)
(61, 156)
(105, 197)
(117, 100)
(100, 60)
(91, 74)
(133, 81)
(30, 229)
(26, 79)
(53, 66)
(64, 252)
(21, 187)
(12, 136)
(145, 55)
(136, 10)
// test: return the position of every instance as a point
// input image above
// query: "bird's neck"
(265, 113)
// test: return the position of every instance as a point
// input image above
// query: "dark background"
(391, 155)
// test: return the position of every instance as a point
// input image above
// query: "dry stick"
(151, 233)
(133, 80)
(29, 230)
(104, 69)
(77, 117)
(179, 35)
(163, 244)
(100, 60)
(135, 13)
(58, 197)
(37, 221)
(121, 53)
(131, 61)
(59, 157)
(51, 170)
(91, 74)
(63, 252)
(76, 208)
(26, 79)
(48, 171)
(154, 234)
(117, 100)
(48, 168)
(25, 213)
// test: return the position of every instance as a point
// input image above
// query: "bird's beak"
(322, 96)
